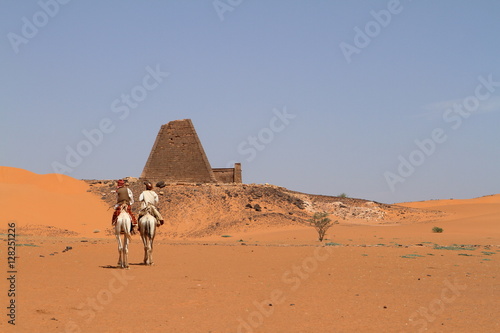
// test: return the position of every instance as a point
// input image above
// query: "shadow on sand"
(118, 267)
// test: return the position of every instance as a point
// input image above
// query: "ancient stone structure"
(228, 175)
(178, 156)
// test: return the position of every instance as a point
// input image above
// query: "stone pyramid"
(178, 156)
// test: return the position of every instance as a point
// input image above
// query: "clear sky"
(383, 100)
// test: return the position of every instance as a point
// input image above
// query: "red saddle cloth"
(117, 212)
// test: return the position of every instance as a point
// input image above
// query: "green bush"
(321, 222)
(437, 229)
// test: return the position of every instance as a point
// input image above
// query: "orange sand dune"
(489, 199)
(52, 200)
(473, 218)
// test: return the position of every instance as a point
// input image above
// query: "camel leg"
(125, 249)
(150, 251)
(120, 252)
(144, 242)
(147, 250)
(145, 255)
(151, 244)
(142, 230)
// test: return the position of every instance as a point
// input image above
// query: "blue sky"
(383, 100)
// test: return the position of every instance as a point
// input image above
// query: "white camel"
(147, 228)
(123, 223)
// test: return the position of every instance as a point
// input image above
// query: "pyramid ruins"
(178, 156)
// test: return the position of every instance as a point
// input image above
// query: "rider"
(149, 197)
(123, 195)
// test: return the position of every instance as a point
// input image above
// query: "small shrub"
(333, 244)
(437, 229)
(454, 247)
(343, 195)
(411, 256)
(321, 222)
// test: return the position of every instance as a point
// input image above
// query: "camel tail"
(127, 233)
(148, 229)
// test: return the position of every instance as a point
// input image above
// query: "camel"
(147, 228)
(123, 224)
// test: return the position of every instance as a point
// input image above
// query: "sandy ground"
(362, 278)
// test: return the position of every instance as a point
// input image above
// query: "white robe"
(148, 197)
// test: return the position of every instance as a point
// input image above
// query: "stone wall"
(228, 175)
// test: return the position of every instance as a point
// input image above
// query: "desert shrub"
(321, 222)
(455, 247)
(437, 229)
(343, 195)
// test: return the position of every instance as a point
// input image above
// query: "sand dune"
(476, 218)
(57, 201)
(488, 199)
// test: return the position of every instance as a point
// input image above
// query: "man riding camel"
(150, 198)
(124, 195)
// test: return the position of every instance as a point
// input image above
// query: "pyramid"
(178, 156)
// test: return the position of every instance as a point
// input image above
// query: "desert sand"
(221, 266)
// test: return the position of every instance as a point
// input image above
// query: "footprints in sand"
(54, 253)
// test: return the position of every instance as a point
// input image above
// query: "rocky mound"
(198, 210)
